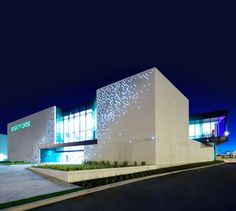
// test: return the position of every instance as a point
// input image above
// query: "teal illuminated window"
(77, 123)
(79, 126)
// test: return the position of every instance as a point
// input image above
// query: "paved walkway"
(16, 182)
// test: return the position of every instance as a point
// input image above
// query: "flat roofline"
(206, 115)
(149, 69)
(27, 116)
(85, 104)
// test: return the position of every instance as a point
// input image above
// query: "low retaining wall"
(82, 175)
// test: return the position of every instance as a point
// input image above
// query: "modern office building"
(3, 147)
(141, 118)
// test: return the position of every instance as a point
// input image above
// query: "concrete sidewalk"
(16, 182)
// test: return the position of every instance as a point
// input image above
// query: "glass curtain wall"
(79, 126)
(206, 128)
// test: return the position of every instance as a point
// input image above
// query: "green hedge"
(8, 162)
(108, 180)
(88, 165)
(36, 198)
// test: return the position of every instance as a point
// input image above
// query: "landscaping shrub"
(5, 161)
(108, 180)
(99, 165)
(125, 163)
(95, 163)
(115, 163)
(88, 162)
(8, 162)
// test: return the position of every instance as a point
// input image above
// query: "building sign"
(20, 126)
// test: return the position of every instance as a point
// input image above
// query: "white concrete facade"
(145, 118)
(24, 143)
(172, 127)
(141, 118)
(126, 128)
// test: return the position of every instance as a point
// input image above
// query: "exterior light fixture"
(226, 133)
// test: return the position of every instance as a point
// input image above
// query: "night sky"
(60, 53)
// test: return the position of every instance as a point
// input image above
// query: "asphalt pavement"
(211, 188)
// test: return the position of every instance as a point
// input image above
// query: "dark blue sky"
(60, 53)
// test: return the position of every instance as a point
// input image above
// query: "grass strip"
(37, 198)
(7, 162)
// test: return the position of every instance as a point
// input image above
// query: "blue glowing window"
(207, 127)
(79, 126)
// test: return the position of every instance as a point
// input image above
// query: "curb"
(96, 189)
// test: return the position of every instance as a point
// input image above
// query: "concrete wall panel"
(126, 120)
(172, 120)
(24, 143)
